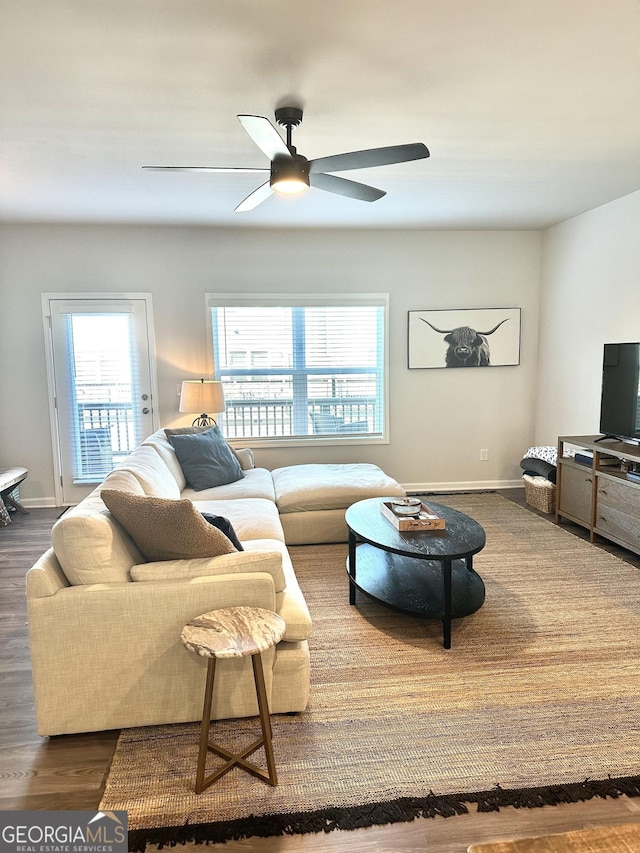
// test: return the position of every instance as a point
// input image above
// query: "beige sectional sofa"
(105, 622)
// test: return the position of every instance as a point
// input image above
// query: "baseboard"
(39, 503)
(469, 486)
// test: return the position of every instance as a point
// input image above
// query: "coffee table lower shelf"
(416, 586)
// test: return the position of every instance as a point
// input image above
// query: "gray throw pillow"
(206, 459)
(169, 431)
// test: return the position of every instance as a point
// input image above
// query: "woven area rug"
(537, 702)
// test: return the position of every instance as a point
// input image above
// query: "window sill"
(310, 441)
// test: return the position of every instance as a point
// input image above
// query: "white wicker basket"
(540, 497)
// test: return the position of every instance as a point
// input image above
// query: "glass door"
(102, 378)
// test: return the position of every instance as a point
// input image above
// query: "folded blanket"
(547, 454)
(541, 462)
(539, 468)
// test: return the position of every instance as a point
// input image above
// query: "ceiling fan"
(290, 172)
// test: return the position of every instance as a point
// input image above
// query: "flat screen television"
(620, 402)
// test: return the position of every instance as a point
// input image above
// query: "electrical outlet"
(484, 455)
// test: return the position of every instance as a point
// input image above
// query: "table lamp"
(202, 395)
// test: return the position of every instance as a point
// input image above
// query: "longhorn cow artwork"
(467, 347)
(486, 337)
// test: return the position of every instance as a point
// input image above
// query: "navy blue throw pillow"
(224, 525)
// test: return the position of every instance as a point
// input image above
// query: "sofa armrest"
(245, 562)
(46, 577)
(121, 641)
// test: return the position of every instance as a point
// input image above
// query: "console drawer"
(621, 526)
(619, 495)
(618, 511)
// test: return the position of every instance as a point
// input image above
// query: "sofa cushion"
(256, 483)
(291, 604)
(123, 480)
(303, 488)
(90, 545)
(164, 449)
(165, 529)
(148, 467)
(206, 459)
(226, 564)
(252, 518)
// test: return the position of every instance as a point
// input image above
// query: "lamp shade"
(201, 395)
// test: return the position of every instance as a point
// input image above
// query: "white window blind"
(301, 367)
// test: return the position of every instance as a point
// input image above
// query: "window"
(301, 367)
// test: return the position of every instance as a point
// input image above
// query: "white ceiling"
(531, 110)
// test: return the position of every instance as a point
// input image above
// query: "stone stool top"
(11, 477)
(233, 632)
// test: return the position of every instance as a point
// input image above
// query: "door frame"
(96, 296)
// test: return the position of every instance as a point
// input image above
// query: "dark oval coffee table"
(424, 573)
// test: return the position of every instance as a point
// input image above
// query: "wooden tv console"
(597, 494)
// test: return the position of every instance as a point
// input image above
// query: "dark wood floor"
(68, 772)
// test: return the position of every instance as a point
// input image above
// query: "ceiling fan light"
(290, 186)
(289, 176)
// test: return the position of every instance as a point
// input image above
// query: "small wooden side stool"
(228, 633)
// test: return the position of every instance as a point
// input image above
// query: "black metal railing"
(106, 435)
(106, 431)
(275, 417)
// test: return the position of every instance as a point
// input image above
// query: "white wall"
(440, 419)
(590, 296)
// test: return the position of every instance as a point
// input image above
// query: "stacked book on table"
(585, 457)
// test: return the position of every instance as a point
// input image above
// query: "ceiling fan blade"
(204, 169)
(341, 186)
(265, 136)
(255, 198)
(370, 157)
